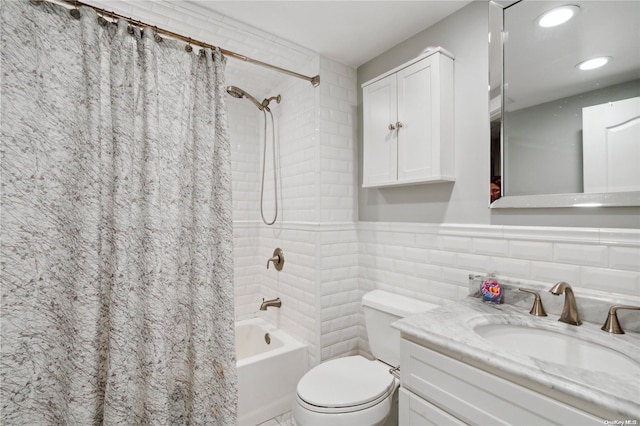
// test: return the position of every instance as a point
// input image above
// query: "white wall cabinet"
(441, 390)
(408, 135)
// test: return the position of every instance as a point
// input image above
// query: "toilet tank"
(382, 308)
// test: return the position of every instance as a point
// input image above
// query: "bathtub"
(268, 373)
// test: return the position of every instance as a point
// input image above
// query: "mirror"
(550, 145)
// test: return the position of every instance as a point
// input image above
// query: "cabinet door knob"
(398, 124)
(392, 127)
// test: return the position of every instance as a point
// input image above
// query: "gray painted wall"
(544, 147)
(466, 201)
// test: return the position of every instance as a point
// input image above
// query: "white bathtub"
(268, 373)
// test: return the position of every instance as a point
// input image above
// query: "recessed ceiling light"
(593, 63)
(558, 16)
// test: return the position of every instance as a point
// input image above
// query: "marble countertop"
(450, 330)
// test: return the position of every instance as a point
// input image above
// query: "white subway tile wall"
(315, 202)
(627, 258)
(340, 296)
(337, 124)
(297, 139)
(596, 259)
(245, 133)
(296, 284)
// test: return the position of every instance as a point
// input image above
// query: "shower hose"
(264, 157)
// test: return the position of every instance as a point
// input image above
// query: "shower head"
(234, 91)
(237, 92)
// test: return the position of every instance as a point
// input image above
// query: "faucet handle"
(537, 309)
(277, 259)
(612, 325)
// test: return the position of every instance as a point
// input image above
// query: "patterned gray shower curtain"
(116, 232)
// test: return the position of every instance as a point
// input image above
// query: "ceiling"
(350, 32)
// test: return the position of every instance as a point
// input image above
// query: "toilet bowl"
(354, 390)
(345, 391)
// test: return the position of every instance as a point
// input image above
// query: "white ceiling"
(350, 32)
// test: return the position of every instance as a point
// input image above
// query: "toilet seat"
(345, 385)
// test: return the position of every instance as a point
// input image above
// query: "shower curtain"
(116, 238)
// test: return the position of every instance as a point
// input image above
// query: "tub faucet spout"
(570, 309)
(276, 303)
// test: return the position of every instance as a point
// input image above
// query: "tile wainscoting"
(329, 267)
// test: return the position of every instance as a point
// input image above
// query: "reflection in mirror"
(563, 136)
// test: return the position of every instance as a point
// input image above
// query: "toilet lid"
(345, 382)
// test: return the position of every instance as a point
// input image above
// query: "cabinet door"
(418, 140)
(477, 397)
(416, 411)
(379, 142)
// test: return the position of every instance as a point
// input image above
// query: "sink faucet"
(276, 303)
(570, 309)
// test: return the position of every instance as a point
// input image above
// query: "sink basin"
(558, 348)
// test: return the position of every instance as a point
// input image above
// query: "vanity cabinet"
(437, 389)
(417, 411)
(408, 123)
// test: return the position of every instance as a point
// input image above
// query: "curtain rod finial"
(315, 81)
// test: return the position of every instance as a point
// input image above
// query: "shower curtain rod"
(315, 80)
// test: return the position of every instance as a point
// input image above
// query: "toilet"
(354, 390)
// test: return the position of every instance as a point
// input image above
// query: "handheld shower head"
(237, 92)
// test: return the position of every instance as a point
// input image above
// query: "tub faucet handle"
(277, 258)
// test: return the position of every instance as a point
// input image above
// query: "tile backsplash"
(588, 258)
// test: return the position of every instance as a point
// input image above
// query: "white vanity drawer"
(416, 411)
(477, 397)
